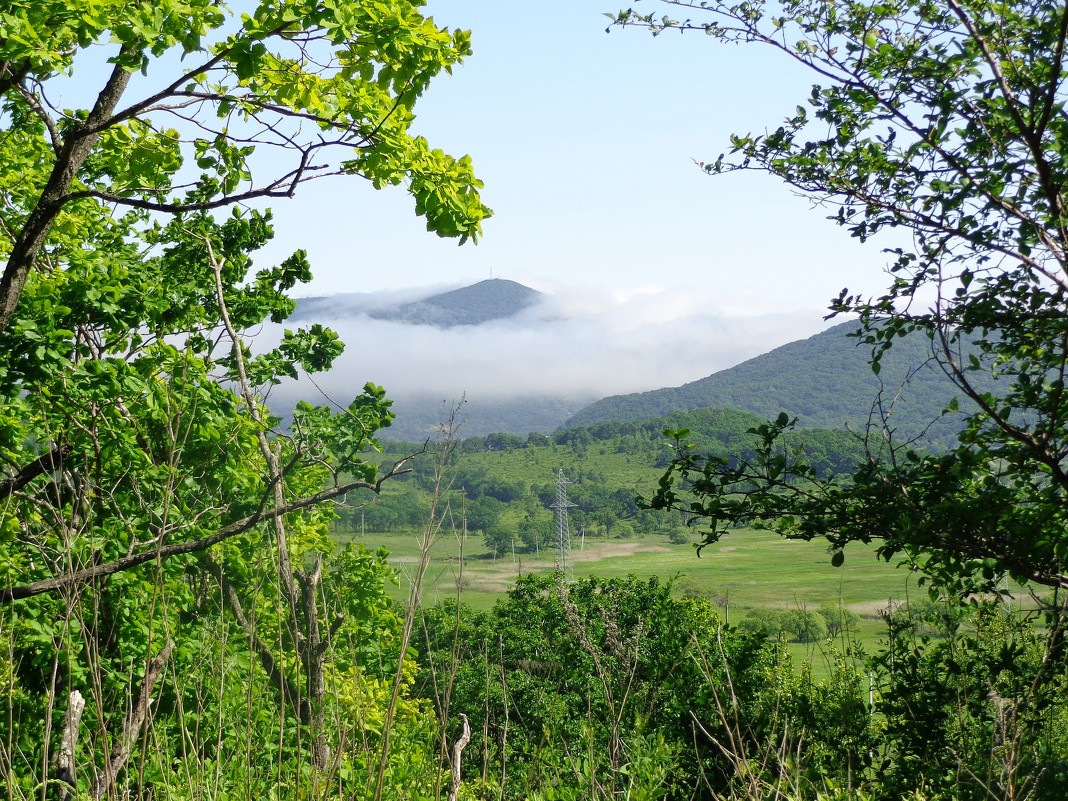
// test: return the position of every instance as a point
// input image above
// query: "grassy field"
(747, 570)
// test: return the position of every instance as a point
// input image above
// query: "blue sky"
(586, 141)
(656, 273)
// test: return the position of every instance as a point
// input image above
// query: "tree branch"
(76, 148)
(20, 591)
(457, 751)
(270, 665)
(53, 460)
(11, 77)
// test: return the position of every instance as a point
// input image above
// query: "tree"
(152, 510)
(167, 502)
(945, 119)
(483, 513)
(302, 80)
(86, 317)
(806, 625)
(499, 539)
(840, 621)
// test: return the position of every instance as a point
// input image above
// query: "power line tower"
(563, 529)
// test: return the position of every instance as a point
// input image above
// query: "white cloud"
(579, 342)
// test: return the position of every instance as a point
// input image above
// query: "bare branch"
(457, 752)
(49, 122)
(135, 719)
(239, 526)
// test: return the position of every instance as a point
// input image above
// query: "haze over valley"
(535, 360)
(525, 358)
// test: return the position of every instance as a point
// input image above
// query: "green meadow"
(747, 570)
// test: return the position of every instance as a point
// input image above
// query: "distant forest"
(825, 381)
(509, 503)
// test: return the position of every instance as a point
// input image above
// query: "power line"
(563, 529)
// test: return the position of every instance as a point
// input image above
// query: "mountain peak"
(492, 299)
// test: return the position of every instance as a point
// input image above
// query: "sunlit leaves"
(259, 104)
(148, 493)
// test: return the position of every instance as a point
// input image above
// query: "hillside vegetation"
(189, 609)
(419, 416)
(508, 481)
(825, 381)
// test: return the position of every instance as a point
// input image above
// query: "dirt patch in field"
(500, 576)
(871, 608)
(593, 552)
(605, 550)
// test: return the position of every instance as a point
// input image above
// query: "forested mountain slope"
(508, 481)
(420, 416)
(825, 381)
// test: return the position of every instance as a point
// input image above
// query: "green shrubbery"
(802, 625)
(568, 686)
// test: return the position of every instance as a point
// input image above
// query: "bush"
(806, 625)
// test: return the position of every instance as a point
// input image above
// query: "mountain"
(420, 412)
(825, 381)
(493, 299)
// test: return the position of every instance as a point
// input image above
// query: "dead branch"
(120, 752)
(457, 750)
(68, 744)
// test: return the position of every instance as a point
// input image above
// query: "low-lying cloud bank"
(578, 343)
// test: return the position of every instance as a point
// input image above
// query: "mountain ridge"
(825, 381)
(475, 304)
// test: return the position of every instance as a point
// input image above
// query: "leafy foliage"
(165, 567)
(978, 710)
(945, 119)
(576, 684)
